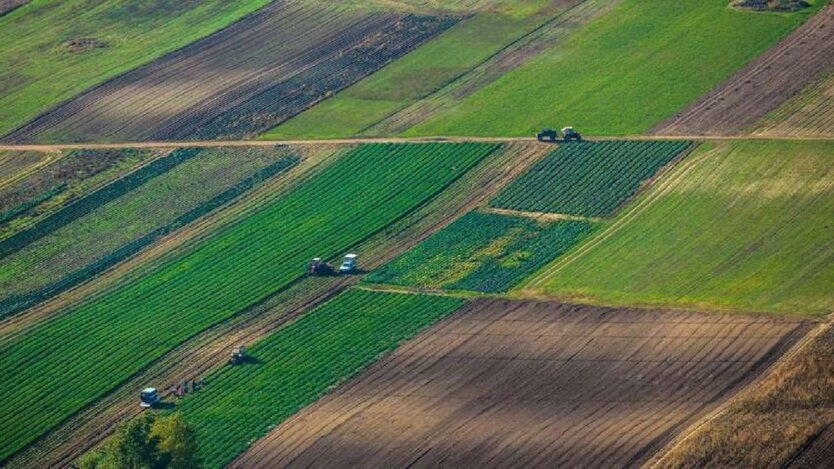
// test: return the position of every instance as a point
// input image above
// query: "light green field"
(37, 71)
(622, 73)
(739, 226)
(420, 73)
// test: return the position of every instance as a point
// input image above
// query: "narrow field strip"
(119, 228)
(95, 346)
(245, 79)
(591, 179)
(524, 384)
(755, 214)
(302, 361)
(482, 252)
(774, 77)
(209, 350)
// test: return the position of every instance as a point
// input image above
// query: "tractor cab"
(148, 397)
(319, 267)
(238, 355)
(549, 135)
(348, 264)
(568, 134)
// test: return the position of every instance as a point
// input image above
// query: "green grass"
(37, 71)
(482, 252)
(299, 363)
(416, 75)
(588, 178)
(57, 367)
(622, 73)
(743, 227)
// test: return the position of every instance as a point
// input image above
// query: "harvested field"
(6, 6)
(809, 114)
(786, 419)
(504, 383)
(242, 80)
(736, 105)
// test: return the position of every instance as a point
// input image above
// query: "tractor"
(148, 398)
(348, 264)
(319, 268)
(551, 135)
(238, 355)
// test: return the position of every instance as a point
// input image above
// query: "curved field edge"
(620, 74)
(209, 350)
(774, 422)
(264, 260)
(752, 212)
(135, 34)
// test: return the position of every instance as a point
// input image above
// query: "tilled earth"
(511, 383)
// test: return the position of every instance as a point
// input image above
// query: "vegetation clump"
(772, 5)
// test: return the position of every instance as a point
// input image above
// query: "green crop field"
(301, 362)
(98, 344)
(588, 178)
(39, 68)
(483, 252)
(200, 182)
(419, 73)
(740, 225)
(622, 73)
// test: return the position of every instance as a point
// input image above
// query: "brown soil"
(525, 384)
(84, 44)
(785, 419)
(773, 78)
(210, 349)
(6, 6)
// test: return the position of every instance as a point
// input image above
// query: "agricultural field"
(591, 179)
(762, 86)
(504, 383)
(739, 225)
(101, 342)
(34, 195)
(39, 71)
(784, 420)
(483, 252)
(622, 73)
(243, 80)
(184, 186)
(301, 362)
(809, 114)
(469, 55)
(209, 349)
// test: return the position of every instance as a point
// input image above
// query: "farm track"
(53, 147)
(507, 383)
(777, 75)
(210, 348)
(243, 79)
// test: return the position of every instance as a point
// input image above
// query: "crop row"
(117, 230)
(482, 252)
(58, 367)
(588, 178)
(299, 363)
(59, 183)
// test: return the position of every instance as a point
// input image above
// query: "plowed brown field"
(508, 383)
(780, 73)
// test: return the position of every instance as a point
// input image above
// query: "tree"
(177, 442)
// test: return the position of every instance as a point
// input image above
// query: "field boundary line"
(652, 193)
(822, 327)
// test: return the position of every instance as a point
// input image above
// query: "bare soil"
(777, 75)
(526, 384)
(6, 6)
(243, 79)
(210, 348)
